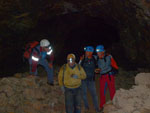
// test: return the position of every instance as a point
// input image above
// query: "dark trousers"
(90, 85)
(73, 100)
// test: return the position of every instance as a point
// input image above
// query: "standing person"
(89, 64)
(42, 54)
(69, 78)
(106, 74)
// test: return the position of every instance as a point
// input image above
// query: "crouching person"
(69, 78)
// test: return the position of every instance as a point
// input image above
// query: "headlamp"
(70, 60)
(49, 47)
(97, 50)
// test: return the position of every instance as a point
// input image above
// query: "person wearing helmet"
(106, 74)
(69, 78)
(89, 64)
(42, 54)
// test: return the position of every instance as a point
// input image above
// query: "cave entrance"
(91, 31)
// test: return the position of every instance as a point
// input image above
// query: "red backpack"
(114, 65)
(28, 49)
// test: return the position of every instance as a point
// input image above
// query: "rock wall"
(22, 21)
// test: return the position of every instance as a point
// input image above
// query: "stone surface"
(131, 18)
(30, 95)
(142, 79)
(134, 100)
(34, 95)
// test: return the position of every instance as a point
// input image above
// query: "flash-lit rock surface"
(25, 94)
(134, 100)
(30, 95)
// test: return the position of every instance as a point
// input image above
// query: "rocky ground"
(29, 95)
(25, 94)
(134, 100)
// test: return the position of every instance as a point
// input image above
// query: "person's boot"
(101, 110)
(52, 84)
(87, 110)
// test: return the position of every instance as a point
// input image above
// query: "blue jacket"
(104, 64)
(89, 67)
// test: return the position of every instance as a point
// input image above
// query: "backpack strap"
(78, 66)
(93, 58)
(95, 61)
(64, 68)
(36, 49)
(105, 57)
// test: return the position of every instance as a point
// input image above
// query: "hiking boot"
(87, 110)
(101, 110)
(52, 84)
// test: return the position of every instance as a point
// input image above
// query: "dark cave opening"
(92, 31)
(75, 32)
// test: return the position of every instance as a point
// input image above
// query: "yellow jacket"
(68, 81)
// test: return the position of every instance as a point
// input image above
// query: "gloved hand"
(82, 57)
(63, 89)
(97, 70)
(75, 76)
(50, 65)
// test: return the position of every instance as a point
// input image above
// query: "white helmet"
(44, 43)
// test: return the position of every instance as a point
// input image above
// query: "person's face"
(45, 49)
(71, 62)
(100, 54)
(88, 54)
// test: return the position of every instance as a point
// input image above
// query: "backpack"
(29, 48)
(113, 64)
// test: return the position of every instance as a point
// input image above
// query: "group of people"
(75, 78)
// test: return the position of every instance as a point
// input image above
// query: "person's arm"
(50, 60)
(82, 74)
(35, 58)
(81, 59)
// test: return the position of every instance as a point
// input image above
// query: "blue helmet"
(100, 48)
(89, 49)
